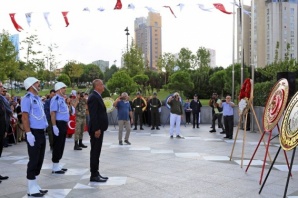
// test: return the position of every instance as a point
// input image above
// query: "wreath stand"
(246, 93)
(268, 129)
(245, 113)
(287, 138)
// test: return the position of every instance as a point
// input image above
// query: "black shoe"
(171, 136)
(227, 137)
(219, 127)
(83, 145)
(35, 195)
(3, 177)
(135, 128)
(198, 127)
(76, 147)
(157, 128)
(127, 142)
(120, 143)
(141, 128)
(152, 128)
(58, 172)
(222, 132)
(230, 138)
(193, 127)
(180, 137)
(64, 169)
(212, 131)
(103, 177)
(97, 179)
(43, 191)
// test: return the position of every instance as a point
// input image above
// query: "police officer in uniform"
(81, 106)
(155, 104)
(60, 117)
(35, 123)
(138, 105)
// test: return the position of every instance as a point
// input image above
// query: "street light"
(127, 34)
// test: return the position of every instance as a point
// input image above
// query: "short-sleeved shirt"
(227, 109)
(59, 105)
(123, 108)
(218, 110)
(33, 105)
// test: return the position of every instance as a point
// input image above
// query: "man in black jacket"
(98, 124)
(196, 105)
(4, 112)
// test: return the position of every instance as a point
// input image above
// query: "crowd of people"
(31, 117)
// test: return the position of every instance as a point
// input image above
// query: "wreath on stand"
(244, 96)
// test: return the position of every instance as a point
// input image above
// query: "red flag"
(171, 10)
(15, 24)
(65, 18)
(118, 5)
(220, 7)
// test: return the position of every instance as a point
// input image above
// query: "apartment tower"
(148, 38)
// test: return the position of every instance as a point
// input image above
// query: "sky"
(98, 35)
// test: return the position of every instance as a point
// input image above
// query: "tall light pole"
(127, 34)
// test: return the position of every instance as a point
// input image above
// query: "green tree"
(186, 59)
(216, 80)
(109, 72)
(74, 70)
(65, 79)
(155, 80)
(121, 82)
(203, 58)
(91, 72)
(141, 80)
(180, 81)
(133, 61)
(51, 60)
(8, 63)
(166, 64)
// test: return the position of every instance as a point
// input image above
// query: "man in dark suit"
(98, 124)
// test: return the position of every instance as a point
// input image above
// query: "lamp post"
(127, 34)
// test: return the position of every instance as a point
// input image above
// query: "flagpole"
(242, 44)
(233, 54)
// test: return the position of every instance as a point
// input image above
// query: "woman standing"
(187, 111)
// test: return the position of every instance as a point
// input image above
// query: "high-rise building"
(243, 37)
(281, 30)
(103, 65)
(212, 52)
(15, 41)
(273, 32)
(148, 38)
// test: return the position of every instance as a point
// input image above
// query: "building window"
(155, 24)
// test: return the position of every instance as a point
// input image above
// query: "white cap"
(28, 82)
(73, 92)
(59, 85)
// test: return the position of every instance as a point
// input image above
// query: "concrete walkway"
(157, 166)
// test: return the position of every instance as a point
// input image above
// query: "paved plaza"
(155, 165)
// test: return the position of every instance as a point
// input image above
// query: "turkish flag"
(65, 18)
(118, 5)
(15, 24)
(221, 7)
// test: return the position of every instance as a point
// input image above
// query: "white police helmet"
(28, 82)
(59, 85)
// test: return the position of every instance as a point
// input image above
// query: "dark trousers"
(36, 153)
(218, 117)
(195, 120)
(1, 141)
(50, 133)
(96, 144)
(187, 117)
(138, 116)
(59, 141)
(155, 118)
(229, 125)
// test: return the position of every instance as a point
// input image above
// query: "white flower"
(242, 105)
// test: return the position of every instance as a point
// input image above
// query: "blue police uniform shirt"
(32, 105)
(227, 109)
(123, 110)
(59, 105)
